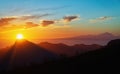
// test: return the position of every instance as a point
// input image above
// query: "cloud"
(33, 16)
(47, 22)
(22, 22)
(30, 25)
(6, 21)
(26, 25)
(100, 19)
(48, 8)
(69, 18)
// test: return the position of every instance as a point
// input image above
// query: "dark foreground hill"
(23, 53)
(104, 61)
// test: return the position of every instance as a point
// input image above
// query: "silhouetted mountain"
(103, 36)
(104, 60)
(24, 53)
(62, 49)
(58, 48)
(114, 43)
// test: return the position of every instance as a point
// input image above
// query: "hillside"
(105, 60)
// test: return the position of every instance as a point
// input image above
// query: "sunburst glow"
(19, 36)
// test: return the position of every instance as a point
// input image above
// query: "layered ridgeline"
(24, 53)
(100, 39)
(105, 60)
(68, 51)
(102, 36)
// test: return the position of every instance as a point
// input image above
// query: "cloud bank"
(7, 20)
(9, 23)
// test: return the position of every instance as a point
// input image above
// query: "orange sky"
(58, 19)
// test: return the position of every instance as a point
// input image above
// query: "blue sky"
(103, 14)
(85, 8)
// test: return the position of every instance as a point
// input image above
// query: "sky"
(58, 18)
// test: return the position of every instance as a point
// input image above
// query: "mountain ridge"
(63, 49)
(102, 36)
(104, 60)
(23, 53)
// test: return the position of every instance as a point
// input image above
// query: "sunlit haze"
(51, 19)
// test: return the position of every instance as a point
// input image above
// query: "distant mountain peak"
(107, 34)
(23, 42)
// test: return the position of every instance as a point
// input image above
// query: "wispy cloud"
(48, 8)
(33, 16)
(100, 19)
(70, 18)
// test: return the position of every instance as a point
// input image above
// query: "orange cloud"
(6, 21)
(30, 25)
(25, 25)
(47, 22)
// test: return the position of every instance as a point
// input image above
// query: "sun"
(19, 36)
